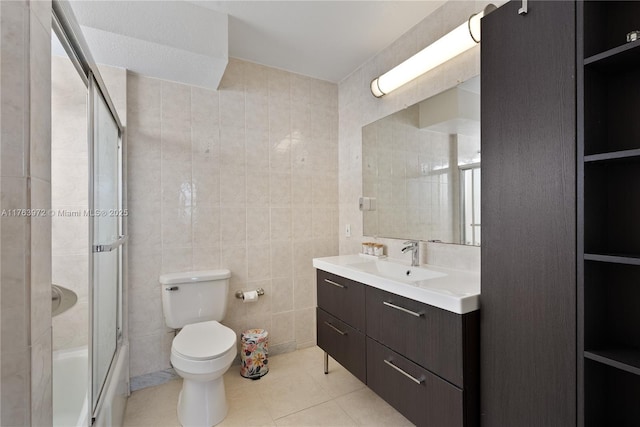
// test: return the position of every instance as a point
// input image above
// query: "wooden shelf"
(618, 57)
(608, 212)
(614, 155)
(625, 359)
(613, 258)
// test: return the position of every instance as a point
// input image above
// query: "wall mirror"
(421, 169)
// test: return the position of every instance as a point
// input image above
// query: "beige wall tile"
(281, 258)
(147, 354)
(282, 298)
(207, 257)
(281, 226)
(41, 278)
(40, 97)
(281, 330)
(305, 325)
(176, 258)
(15, 369)
(41, 380)
(280, 185)
(145, 312)
(258, 261)
(304, 292)
(15, 106)
(211, 186)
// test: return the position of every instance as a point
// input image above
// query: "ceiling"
(327, 40)
(322, 39)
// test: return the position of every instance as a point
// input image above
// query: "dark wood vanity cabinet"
(342, 298)
(421, 359)
(424, 398)
(430, 336)
(344, 343)
(340, 321)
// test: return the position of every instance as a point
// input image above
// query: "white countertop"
(456, 290)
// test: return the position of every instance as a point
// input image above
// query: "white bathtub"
(70, 397)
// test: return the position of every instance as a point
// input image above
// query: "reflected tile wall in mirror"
(406, 167)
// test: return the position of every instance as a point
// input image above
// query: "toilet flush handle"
(172, 288)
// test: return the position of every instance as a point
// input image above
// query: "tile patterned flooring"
(295, 392)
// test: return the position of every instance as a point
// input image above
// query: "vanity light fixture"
(461, 39)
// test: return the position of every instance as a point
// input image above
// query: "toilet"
(204, 349)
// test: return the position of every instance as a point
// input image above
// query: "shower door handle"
(110, 247)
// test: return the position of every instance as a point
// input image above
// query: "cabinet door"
(342, 298)
(427, 335)
(422, 397)
(345, 344)
(528, 125)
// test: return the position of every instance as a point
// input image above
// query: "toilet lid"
(204, 340)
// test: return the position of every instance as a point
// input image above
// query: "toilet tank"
(194, 296)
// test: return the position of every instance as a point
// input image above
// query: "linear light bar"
(461, 39)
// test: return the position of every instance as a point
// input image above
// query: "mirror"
(421, 170)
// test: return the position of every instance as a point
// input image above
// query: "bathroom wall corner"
(25, 249)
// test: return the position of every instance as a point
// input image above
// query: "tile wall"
(409, 202)
(244, 178)
(25, 241)
(358, 107)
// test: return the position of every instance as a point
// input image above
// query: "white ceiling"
(323, 39)
(327, 40)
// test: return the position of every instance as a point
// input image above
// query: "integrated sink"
(397, 271)
(453, 290)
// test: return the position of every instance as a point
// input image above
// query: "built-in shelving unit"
(608, 214)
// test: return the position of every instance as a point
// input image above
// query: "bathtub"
(70, 397)
(71, 407)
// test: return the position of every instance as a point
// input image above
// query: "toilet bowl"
(204, 349)
(201, 353)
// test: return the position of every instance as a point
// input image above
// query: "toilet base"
(202, 403)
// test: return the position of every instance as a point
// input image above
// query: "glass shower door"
(107, 238)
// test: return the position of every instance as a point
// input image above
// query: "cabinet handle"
(411, 377)
(335, 329)
(397, 307)
(331, 282)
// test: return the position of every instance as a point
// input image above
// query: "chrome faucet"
(413, 246)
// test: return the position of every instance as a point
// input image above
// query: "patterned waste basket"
(254, 362)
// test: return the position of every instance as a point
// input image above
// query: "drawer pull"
(411, 377)
(335, 284)
(397, 307)
(335, 329)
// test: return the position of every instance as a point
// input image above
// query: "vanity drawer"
(422, 397)
(341, 297)
(427, 335)
(345, 344)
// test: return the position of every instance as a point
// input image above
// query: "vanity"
(410, 333)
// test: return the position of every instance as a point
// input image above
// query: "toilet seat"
(204, 341)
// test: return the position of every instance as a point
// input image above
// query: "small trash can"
(254, 362)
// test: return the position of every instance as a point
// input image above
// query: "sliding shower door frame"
(98, 249)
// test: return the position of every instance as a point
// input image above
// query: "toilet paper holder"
(240, 294)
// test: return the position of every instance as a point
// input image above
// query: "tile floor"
(295, 392)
